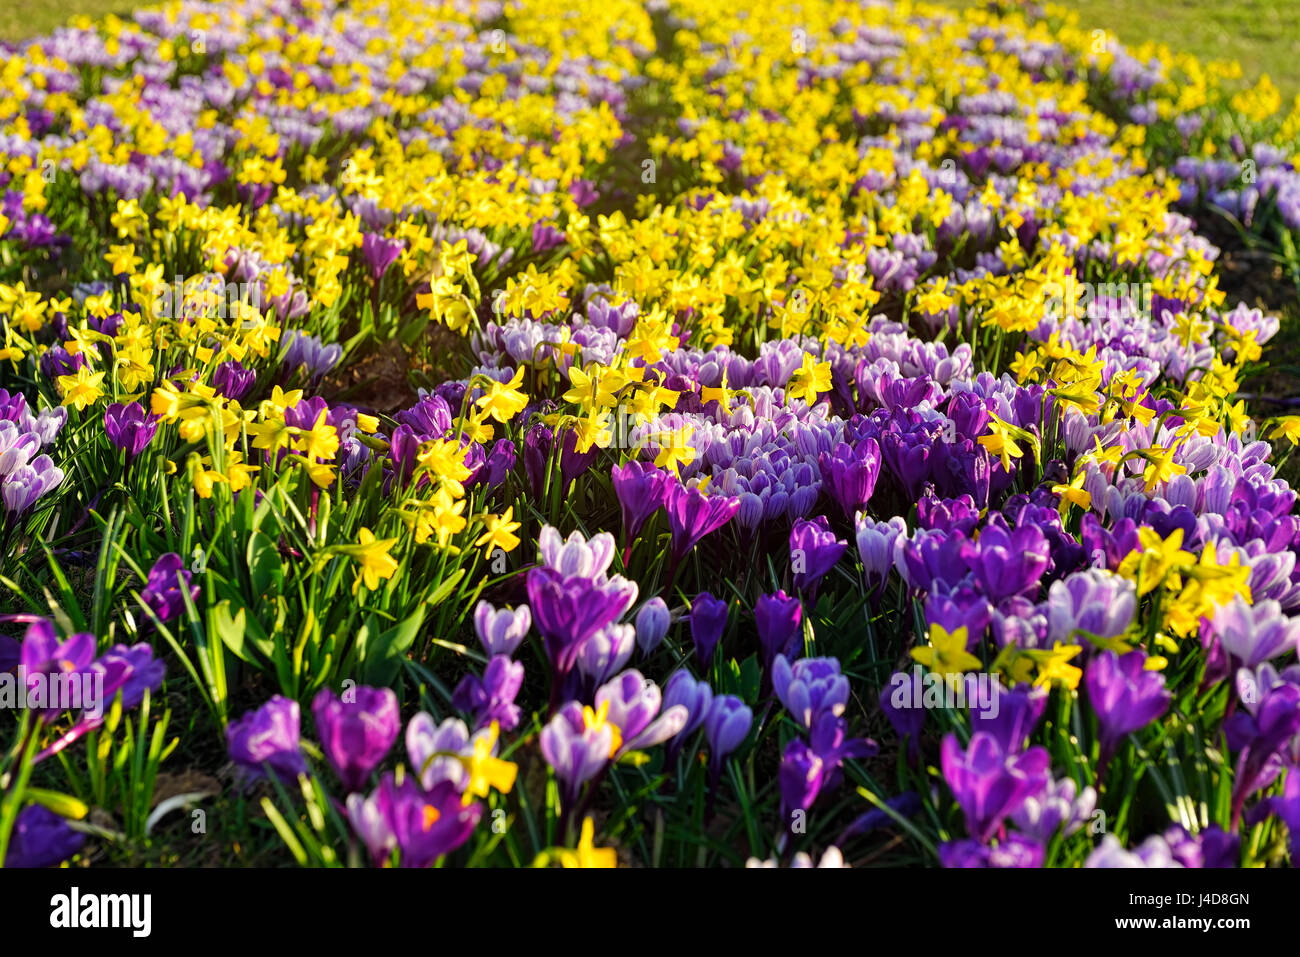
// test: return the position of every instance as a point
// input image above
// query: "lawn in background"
(20, 19)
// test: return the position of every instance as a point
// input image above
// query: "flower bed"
(803, 433)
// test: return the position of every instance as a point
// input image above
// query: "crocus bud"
(652, 624)
(501, 630)
(708, 619)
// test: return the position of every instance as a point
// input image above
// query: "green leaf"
(381, 658)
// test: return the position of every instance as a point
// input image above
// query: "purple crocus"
(642, 490)
(1268, 720)
(708, 621)
(1014, 851)
(422, 825)
(693, 515)
(129, 427)
(49, 664)
(725, 727)
(492, 697)
(41, 838)
(1124, 696)
(356, 731)
(988, 783)
(1007, 563)
(137, 671)
(902, 701)
(232, 380)
(850, 474)
(162, 593)
(800, 777)
(780, 626)
(380, 253)
(568, 610)
(268, 737)
(814, 551)
(1013, 717)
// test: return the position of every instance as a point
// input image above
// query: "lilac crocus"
(356, 731)
(268, 737)
(129, 427)
(696, 697)
(875, 542)
(725, 727)
(308, 352)
(492, 697)
(708, 621)
(26, 484)
(652, 621)
(1095, 601)
(1252, 634)
(1124, 696)
(1060, 806)
(163, 591)
(501, 630)
(988, 783)
(810, 688)
(577, 749)
(633, 705)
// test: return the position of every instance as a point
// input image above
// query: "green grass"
(20, 19)
(1262, 35)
